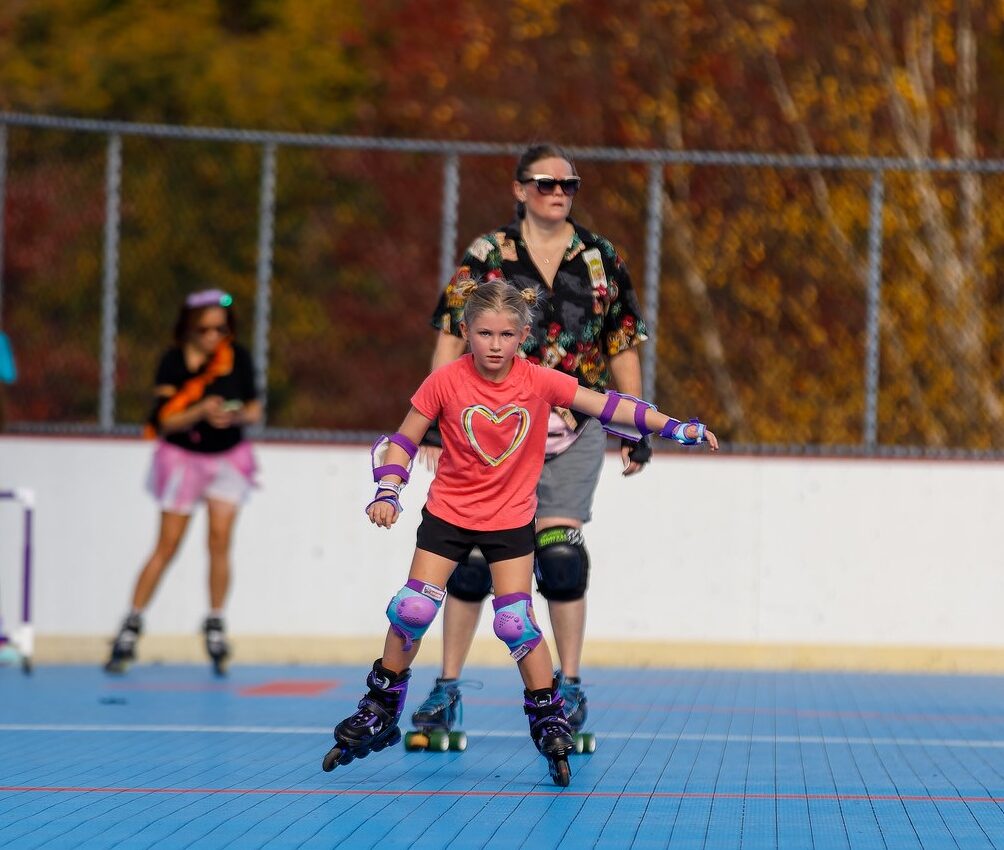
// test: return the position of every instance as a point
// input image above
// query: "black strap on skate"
(548, 716)
(374, 706)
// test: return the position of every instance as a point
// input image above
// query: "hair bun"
(465, 288)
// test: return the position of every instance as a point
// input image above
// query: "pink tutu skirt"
(180, 479)
(560, 435)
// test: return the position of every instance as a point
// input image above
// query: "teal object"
(8, 370)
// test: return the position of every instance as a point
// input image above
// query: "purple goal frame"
(26, 499)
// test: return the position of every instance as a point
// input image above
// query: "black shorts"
(453, 542)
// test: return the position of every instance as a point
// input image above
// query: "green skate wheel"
(439, 740)
(416, 741)
(458, 741)
(588, 742)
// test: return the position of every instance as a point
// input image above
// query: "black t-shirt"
(236, 386)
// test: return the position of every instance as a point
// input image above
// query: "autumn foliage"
(764, 269)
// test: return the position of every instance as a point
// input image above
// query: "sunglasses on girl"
(546, 184)
(202, 330)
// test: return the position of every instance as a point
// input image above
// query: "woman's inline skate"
(576, 710)
(550, 731)
(124, 646)
(374, 725)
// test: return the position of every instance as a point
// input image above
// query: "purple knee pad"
(515, 624)
(413, 609)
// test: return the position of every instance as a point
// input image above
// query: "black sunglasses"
(546, 184)
(202, 330)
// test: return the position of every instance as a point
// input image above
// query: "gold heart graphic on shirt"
(496, 417)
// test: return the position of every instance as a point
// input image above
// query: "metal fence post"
(451, 203)
(3, 206)
(872, 328)
(653, 274)
(109, 300)
(449, 152)
(263, 275)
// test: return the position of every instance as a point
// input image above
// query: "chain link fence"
(800, 304)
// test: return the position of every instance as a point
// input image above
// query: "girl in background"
(204, 396)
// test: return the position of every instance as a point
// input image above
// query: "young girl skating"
(493, 411)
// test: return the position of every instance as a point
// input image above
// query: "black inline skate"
(550, 731)
(576, 710)
(124, 645)
(374, 726)
(216, 644)
(436, 719)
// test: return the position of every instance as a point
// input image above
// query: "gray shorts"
(568, 481)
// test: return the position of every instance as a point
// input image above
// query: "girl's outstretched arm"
(611, 407)
(392, 457)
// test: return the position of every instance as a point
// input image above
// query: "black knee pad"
(562, 563)
(471, 580)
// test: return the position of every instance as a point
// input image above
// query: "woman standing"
(204, 396)
(589, 326)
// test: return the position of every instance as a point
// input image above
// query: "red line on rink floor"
(358, 792)
(291, 688)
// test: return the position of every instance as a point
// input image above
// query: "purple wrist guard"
(677, 430)
(626, 432)
(388, 497)
(378, 453)
(391, 469)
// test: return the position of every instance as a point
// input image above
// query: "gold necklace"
(533, 251)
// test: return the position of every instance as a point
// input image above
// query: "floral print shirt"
(589, 314)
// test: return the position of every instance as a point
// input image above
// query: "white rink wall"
(698, 548)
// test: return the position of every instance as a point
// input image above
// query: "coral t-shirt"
(493, 440)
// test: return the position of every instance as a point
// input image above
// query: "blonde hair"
(497, 296)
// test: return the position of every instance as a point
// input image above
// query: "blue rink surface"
(169, 756)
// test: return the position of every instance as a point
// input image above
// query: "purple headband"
(209, 298)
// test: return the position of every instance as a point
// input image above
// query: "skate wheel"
(416, 741)
(391, 740)
(26, 666)
(332, 759)
(439, 741)
(458, 741)
(585, 742)
(116, 668)
(561, 773)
